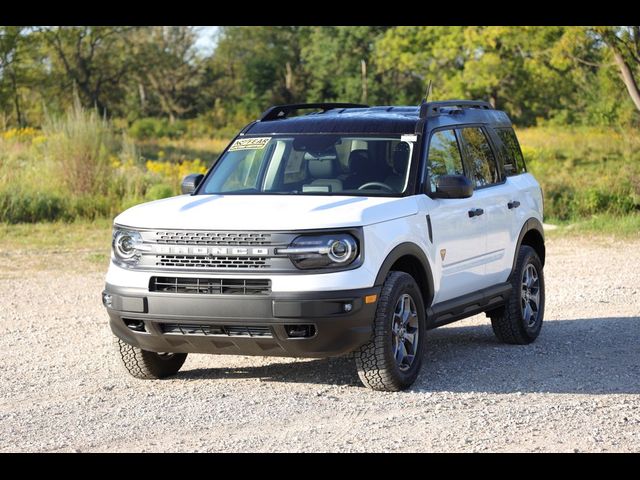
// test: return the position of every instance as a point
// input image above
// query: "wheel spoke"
(396, 325)
(401, 352)
(533, 301)
(410, 337)
(400, 309)
(406, 309)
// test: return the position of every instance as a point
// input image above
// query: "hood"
(265, 212)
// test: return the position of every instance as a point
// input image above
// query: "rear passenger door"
(492, 194)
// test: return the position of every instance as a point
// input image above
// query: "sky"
(205, 42)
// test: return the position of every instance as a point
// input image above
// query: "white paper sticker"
(251, 143)
(409, 138)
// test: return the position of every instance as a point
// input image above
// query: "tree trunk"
(627, 77)
(16, 100)
(288, 77)
(363, 68)
(493, 98)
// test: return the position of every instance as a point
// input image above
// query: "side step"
(467, 305)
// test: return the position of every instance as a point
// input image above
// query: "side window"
(444, 156)
(513, 159)
(483, 169)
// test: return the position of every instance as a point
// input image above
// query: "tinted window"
(444, 156)
(513, 159)
(483, 168)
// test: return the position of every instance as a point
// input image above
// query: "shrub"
(161, 190)
(17, 206)
(146, 128)
(150, 128)
(79, 144)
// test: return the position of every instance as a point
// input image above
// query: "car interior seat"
(359, 168)
(324, 170)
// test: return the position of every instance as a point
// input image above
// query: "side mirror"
(453, 186)
(191, 182)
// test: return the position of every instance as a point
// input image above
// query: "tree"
(94, 60)
(168, 70)
(508, 66)
(255, 67)
(338, 62)
(624, 43)
(11, 42)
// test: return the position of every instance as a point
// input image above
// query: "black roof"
(379, 119)
(396, 120)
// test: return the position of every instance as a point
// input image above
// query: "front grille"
(210, 286)
(213, 238)
(216, 330)
(206, 261)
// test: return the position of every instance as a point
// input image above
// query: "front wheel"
(391, 360)
(148, 365)
(519, 322)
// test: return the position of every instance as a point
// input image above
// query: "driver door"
(459, 240)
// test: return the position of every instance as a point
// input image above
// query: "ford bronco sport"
(348, 230)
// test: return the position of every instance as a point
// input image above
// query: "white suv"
(351, 229)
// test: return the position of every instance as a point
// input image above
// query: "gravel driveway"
(577, 388)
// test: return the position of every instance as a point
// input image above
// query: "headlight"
(126, 247)
(322, 251)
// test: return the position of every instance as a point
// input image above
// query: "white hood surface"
(265, 212)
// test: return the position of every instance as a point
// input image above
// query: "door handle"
(513, 204)
(476, 212)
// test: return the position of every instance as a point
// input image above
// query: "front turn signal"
(370, 298)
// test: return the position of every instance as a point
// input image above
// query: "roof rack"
(432, 109)
(282, 111)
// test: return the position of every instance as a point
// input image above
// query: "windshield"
(312, 164)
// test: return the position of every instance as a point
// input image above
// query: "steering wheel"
(376, 184)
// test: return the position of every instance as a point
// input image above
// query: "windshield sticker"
(409, 138)
(249, 144)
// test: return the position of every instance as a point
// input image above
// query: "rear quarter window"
(511, 152)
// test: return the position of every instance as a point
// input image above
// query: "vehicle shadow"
(589, 355)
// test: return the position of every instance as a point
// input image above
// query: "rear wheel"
(391, 360)
(519, 322)
(148, 365)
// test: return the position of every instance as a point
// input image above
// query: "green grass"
(56, 246)
(90, 236)
(620, 227)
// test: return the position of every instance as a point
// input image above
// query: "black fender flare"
(408, 248)
(530, 224)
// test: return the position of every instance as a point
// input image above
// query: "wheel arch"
(409, 258)
(531, 234)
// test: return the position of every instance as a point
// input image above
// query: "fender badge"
(443, 253)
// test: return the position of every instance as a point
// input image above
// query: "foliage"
(77, 167)
(584, 171)
(539, 74)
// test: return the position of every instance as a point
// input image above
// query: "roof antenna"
(426, 96)
(423, 105)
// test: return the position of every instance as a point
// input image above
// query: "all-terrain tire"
(148, 365)
(375, 361)
(508, 322)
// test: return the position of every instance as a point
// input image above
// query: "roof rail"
(432, 109)
(282, 111)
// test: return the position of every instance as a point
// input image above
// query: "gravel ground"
(577, 388)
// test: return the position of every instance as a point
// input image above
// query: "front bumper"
(337, 322)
